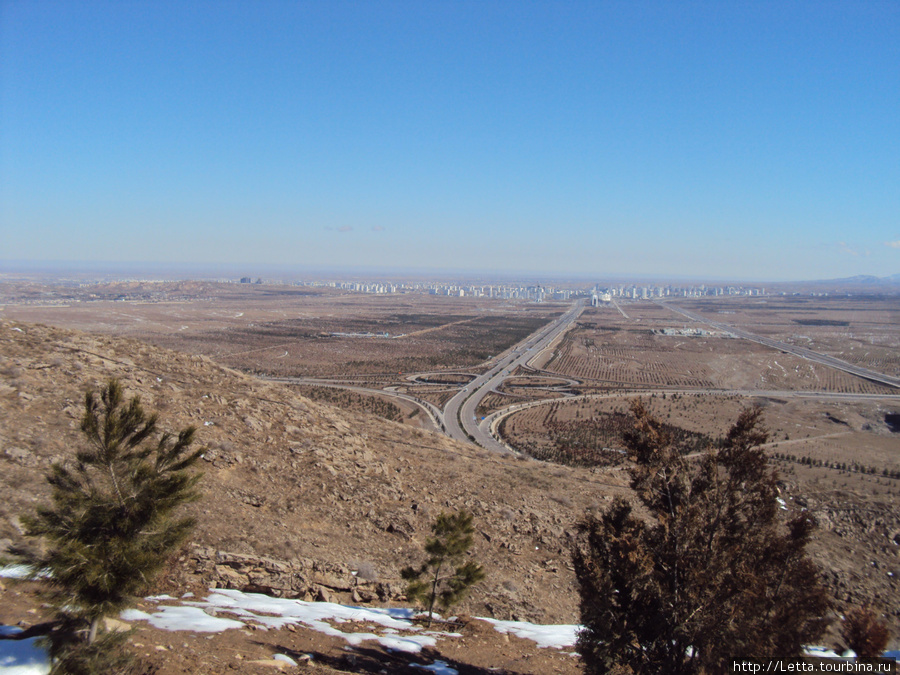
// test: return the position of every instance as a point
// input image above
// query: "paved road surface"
(458, 419)
(435, 416)
(462, 407)
(802, 352)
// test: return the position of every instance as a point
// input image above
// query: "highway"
(464, 404)
(435, 416)
(460, 420)
(802, 352)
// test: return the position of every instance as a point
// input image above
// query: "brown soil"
(479, 649)
(609, 350)
(287, 331)
(302, 482)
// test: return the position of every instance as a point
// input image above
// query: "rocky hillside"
(300, 499)
(304, 500)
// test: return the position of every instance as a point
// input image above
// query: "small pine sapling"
(112, 524)
(444, 578)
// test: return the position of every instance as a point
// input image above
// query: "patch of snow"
(439, 668)
(410, 644)
(298, 610)
(134, 615)
(15, 571)
(22, 657)
(287, 659)
(269, 612)
(184, 618)
(557, 636)
(781, 503)
(279, 612)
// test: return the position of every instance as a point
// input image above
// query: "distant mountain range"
(866, 280)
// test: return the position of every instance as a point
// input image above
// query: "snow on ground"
(396, 632)
(269, 612)
(557, 636)
(182, 618)
(15, 571)
(201, 616)
(439, 668)
(21, 657)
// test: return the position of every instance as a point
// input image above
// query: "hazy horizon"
(741, 141)
(115, 271)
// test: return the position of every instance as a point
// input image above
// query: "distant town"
(533, 293)
(47, 288)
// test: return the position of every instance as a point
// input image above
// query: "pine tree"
(712, 575)
(444, 578)
(112, 523)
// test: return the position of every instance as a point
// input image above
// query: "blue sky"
(743, 140)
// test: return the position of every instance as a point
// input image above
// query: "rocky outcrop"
(301, 578)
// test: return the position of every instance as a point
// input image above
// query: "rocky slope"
(305, 500)
(300, 499)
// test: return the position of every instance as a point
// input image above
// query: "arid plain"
(835, 437)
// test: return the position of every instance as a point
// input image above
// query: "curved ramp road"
(465, 402)
(435, 416)
(459, 412)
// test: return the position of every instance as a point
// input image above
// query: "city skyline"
(747, 141)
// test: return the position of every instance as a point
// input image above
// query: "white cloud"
(893, 244)
(846, 249)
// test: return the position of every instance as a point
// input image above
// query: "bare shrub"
(864, 633)
(366, 571)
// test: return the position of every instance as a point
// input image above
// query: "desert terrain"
(325, 492)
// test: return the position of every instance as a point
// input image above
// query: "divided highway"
(802, 352)
(458, 419)
(459, 413)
